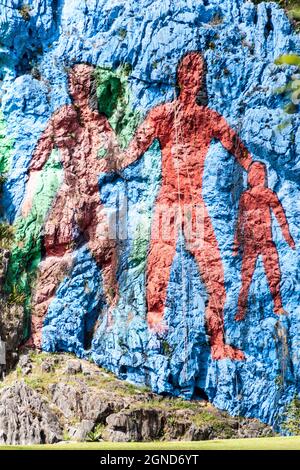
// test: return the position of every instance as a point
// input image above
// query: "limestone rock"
(73, 367)
(135, 425)
(4, 257)
(25, 364)
(136, 47)
(84, 403)
(80, 432)
(11, 330)
(26, 418)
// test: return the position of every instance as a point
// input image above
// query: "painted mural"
(150, 185)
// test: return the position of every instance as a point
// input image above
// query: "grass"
(100, 380)
(268, 443)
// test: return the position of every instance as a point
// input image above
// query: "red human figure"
(185, 130)
(78, 132)
(254, 236)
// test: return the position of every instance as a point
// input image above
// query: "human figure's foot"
(156, 323)
(224, 351)
(280, 311)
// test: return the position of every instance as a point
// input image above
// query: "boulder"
(25, 364)
(135, 425)
(80, 432)
(84, 403)
(73, 367)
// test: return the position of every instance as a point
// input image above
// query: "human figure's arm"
(230, 140)
(43, 149)
(39, 158)
(282, 220)
(143, 138)
(239, 229)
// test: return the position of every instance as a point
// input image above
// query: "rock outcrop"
(26, 418)
(152, 312)
(39, 406)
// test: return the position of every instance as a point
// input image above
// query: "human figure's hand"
(292, 243)
(156, 323)
(29, 193)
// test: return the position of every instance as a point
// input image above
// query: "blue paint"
(156, 35)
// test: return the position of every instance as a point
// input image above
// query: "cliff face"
(97, 296)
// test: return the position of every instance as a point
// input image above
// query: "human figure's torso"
(185, 136)
(256, 221)
(80, 140)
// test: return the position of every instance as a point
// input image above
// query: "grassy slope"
(270, 443)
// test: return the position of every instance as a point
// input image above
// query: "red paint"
(78, 132)
(254, 236)
(185, 130)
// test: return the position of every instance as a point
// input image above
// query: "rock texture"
(25, 417)
(46, 407)
(136, 48)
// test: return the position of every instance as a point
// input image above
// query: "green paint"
(114, 101)
(26, 248)
(101, 153)
(6, 145)
(140, 243)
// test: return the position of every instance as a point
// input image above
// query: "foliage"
(96, 434)
(261, 443)
(16, 296)
(292, 89)
(6, 235)
(292, 415)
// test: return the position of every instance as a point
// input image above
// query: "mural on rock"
(76, 215)
(150, 177)
(254, 236)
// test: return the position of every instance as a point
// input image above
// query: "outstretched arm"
(230, 140)
(143, 138)
(282, 220)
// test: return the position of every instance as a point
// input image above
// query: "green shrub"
(292, 417)
(96, 434)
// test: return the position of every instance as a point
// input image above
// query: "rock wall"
(66, 172)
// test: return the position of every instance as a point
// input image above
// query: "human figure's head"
(257, 174)
(80, 82)
(191, 74)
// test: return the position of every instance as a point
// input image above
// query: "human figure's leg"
(271, 263)
(161, 253)
(103, 246)
(207, 254)
(248, 268)
(57, 262)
